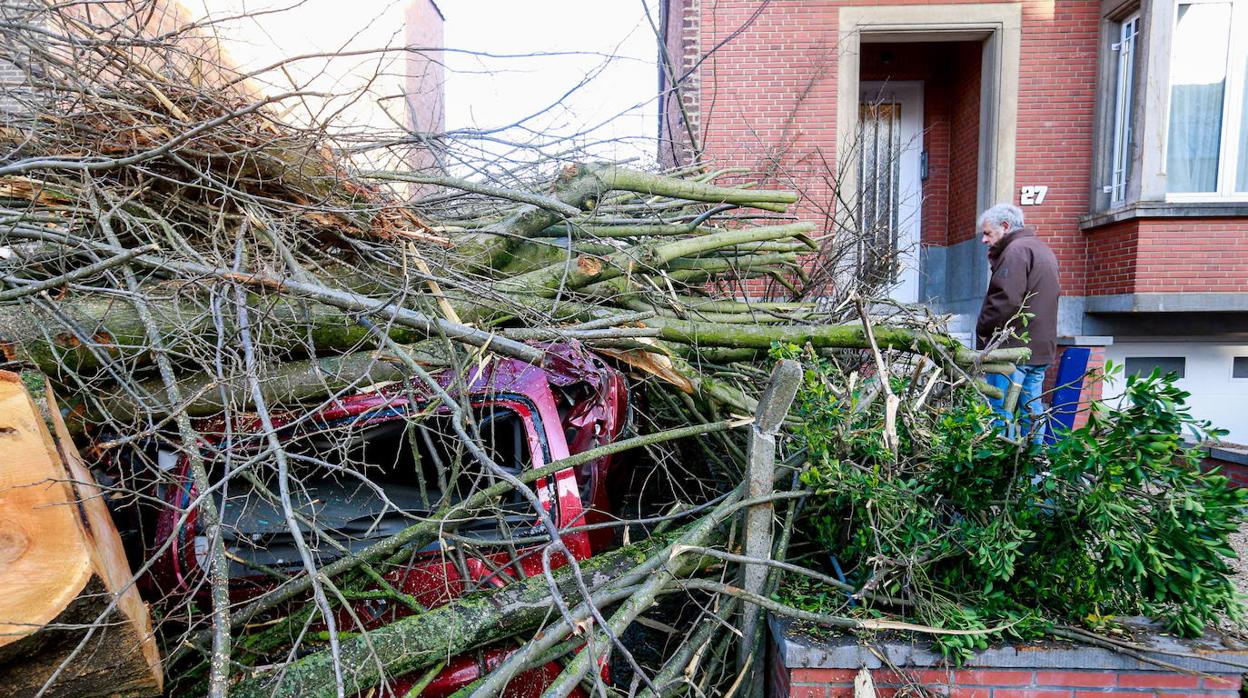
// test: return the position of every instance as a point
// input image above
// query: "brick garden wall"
(804, 667)
(807, 664)
(970, 683)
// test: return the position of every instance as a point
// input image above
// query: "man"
(1021, 302)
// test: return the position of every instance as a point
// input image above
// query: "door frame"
(909, 93)
(997, 25)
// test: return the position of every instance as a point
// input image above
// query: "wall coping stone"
(1091, 340)
(1230, 454)
(798, 649)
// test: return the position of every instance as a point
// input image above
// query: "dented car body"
(365, 466)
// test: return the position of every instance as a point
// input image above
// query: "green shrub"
(1116, 519)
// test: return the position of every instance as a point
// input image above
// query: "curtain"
(1197, 84)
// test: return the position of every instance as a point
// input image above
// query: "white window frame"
(1231, 374)
(1124, 107)
(1234, 121)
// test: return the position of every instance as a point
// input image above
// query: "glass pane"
(1123, 101)
(1197, 83)
(1239, 367)
(879, 177)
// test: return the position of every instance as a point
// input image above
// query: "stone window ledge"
(1163, 209)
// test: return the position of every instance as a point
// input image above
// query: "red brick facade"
(767, 100)
(964, 144)
(764, 95)
(1169, 255)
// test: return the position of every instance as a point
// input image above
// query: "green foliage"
(978, 531)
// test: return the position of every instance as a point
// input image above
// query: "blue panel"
(1067, 391)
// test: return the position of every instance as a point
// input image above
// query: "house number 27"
(1033, 196)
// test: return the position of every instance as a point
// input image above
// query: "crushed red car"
(367, 465)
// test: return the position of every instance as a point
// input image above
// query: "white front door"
(890, 192)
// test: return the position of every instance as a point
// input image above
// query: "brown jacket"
(1024, 277)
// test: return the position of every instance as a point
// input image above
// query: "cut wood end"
(44, 558)
(589, 266)
(62, 563)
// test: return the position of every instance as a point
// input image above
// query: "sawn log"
(69, 616)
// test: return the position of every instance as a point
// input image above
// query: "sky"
(619, 60)
(607, 43)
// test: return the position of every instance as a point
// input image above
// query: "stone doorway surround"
(997, 25)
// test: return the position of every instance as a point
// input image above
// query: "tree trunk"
(422, 640)
(66, 601)
(283, 384)
(110, 328)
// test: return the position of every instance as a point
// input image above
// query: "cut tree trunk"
(69, 616)
(283, 384)
(109, 328)
(423, 640)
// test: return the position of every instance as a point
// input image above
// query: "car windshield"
(357, 480)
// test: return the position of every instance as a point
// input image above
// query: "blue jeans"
(1030, 406)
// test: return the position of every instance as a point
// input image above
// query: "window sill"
(1166, 209)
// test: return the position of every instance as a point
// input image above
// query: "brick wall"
(973, 683)
(1111, 259)
(1057, 94)
(1168, 255)
(679, 81)
(1230, 460)
(825, 664)
(964, 168)
(1184, 255)
(13, 82)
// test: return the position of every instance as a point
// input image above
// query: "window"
(1207, 141)
(1144, 365)
(879, 176)
(413, 465)
(1124, 122)
(1239, 367)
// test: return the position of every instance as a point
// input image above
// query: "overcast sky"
(616, 47)
(620, 58)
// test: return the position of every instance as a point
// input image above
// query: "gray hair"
(1002, 213)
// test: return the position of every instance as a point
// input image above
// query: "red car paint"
(572, 403)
